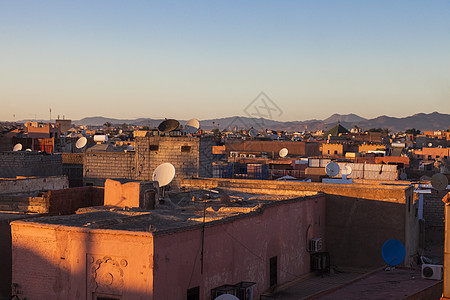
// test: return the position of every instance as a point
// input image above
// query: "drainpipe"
(446, 292)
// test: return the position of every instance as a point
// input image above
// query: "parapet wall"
(29, 164)
(32, 184)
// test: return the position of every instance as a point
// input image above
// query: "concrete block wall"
(433, 210)
(29, 164)
(108, 165)
(169, 150)
(183, 152)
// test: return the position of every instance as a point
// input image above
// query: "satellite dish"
(430, 144)
(81, 142)
(332, 169)
(425, 178)
(120, 131)
(168, 125)
(129, 147)
(346, 170)
(403, 176)
(283, 152)
(393, 252)
(17, 147)
(164, 174)
(439, 181)
(226, 297)
(28, 149)
(253, 133)
(191, 126)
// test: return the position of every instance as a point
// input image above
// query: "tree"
(412, 131)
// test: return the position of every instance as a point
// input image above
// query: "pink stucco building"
(168, 252)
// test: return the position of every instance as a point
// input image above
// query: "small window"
(335, 151)
(429, 156)
(328, 151)
(154, 147)
(193, 293)
(185, 148)
(437, 156)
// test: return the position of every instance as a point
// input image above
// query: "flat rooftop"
(181, 211)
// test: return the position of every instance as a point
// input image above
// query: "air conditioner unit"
(315, 245)
(432, 271)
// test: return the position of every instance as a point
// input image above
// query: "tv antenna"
(168, 125)
(332, 169)
(253, 132)
(191, 126)
(393, 252)
(439, 181)
(17, 147)
(164, 175)
(283, 152)
(346, 171)
(81, 143)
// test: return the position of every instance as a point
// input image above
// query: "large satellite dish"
(253, 133)
(17, 147)
(227, 297)
(332, 169)
(191, 126)
(81, 142)
(283, 152)
(439, 181)
(168, 125)
(164, 174)
(393, 252)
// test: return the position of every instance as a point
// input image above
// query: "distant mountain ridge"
(421, 121)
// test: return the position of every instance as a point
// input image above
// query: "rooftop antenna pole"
(50, 115)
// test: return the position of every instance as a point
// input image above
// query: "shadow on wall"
(61, 264)
(357, 228)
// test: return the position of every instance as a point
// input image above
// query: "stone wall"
(29, 164)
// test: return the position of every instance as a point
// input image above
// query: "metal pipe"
(446, 291)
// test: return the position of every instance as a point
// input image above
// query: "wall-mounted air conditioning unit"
(432, 271)
(315, 245)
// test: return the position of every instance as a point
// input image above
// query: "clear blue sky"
(207, 59)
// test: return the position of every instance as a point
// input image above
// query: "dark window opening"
(193, 293)
(409, 203)
(154, 147)
(273, 271)
(185, 148)
(328, 151)
(335, 152)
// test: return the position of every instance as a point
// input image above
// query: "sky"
(211, 59)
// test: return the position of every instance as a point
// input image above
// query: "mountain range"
(421, 121)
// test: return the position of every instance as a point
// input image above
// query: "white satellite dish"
(120, 131)
(283, 152)
(332, 169)
(439, 181)
(17, 147)
(226, 297)
(253, 132)
(164, 174)
(430, 144)
(28, 149)
(81, 142)
(346, 170)
(192, 126)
